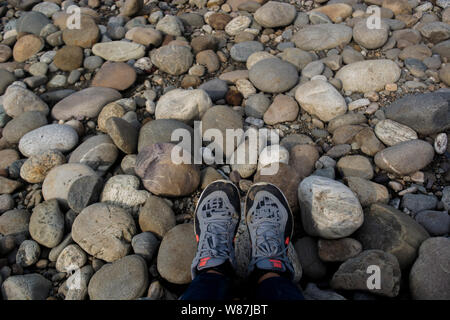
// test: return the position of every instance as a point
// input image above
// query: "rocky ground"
(91, 206)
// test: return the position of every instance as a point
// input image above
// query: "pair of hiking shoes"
(269, 221)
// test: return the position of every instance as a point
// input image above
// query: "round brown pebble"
(234, 97)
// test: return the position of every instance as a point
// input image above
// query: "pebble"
(401, 235)
(275, 14)
(68, 58)
(156, 216)
(119, 50)
(53, 136)
(418, 202)
(145, 36)
(245, 87)
(312, 69)
(321, 99)
(347, 214)
(83, 192)
(47, 8)
(322, 37)
(84, 103)
(6, 203)
(424, 113)
(85, 37)
(176, 252)
(111, 220)
(7, 157)
(163, 177)
(370, 38)
(14, 221)
(160, 131)
(173, 59)
(32, 22)
(256, 57)
(244, 161)
(145, 244)
(256, 105)
(6, 78)
(405, 157)
(302, 159)
(273, 154)
(391, 132)
(355, 166)
(124, 135)
(418, 51)
(47, 224)
(368, 192)
(58, 181)
(215, 88)
(273, 75)
(28, 253)
(221, 119)
(36, 167)
(71, 259)
(358, 104)
(368, 76)
(307, 251)
(437, 223)
(338, 250)
(209, 59)
(427, 273)
(183, 105)
(92, 62)
(297, 57)
(282, 109)
(31, 286)
(123, 191)
(243, 50)
(18, 100)
(131, 7)
(337, 12)
(115, 75)
(98, 152)
(77, 283)
(237, 25)
(124, 279)
(353, 275)
(55, 252)
(170, 25)
(5, 53)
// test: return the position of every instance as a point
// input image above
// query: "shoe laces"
(267, 219)
(216, 241)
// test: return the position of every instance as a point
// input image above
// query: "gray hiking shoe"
(216, 220)
(270, 225)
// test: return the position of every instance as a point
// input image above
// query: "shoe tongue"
(209, 262)
(271, 264)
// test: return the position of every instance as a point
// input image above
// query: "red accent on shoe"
(196, 237)
(203, 261)
(277, 264)
(287, 241)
